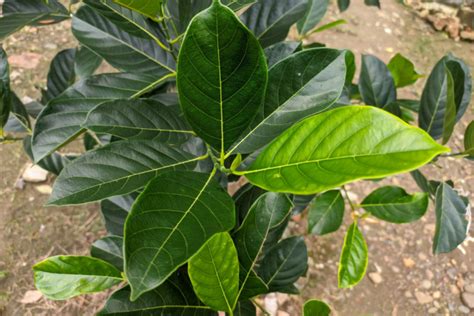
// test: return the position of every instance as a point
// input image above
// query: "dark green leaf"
(376, 84)
(280, 51)
(395, 205)
(174, 297)
(316, 308)
(243, 200)
(343, 5)
(318, 76)
(393, 108)
(221, 79)
(116, 169)
(469, 139)
(412, 105)
(326, 212)
(138, 119)
(214, 273)
(354, 258)
(374, 3)
(61, 74)
(284, 264)
(114, 211)
(5, 93)
(149, 8)
(109, 249)
(176, 214)
(450, 111)
(54, 162)
(245, 308)
(19, 114)
(403, 71)
(86, 62)
(60, 121)
(270, 20)
(63, 277)
(261, 229)
(347, 143)
(314, 14)
(121, 49)
(301, 202)
(452, 219)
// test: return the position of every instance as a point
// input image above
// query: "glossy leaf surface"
(315, 12)
(86, 62)
(61, 74)
(340, 146)
(214, 273)
(222, 76)
(354, 258)
(114, 212)
(376, 84)
(316, 308)
(280, 51)
(403, 71)
(149, 8)
(161, 231)
(326, 212)
(109, 249)
(63, 277)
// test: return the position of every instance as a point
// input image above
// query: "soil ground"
(413, 281)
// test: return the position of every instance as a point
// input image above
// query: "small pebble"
(463, 309)
(437, 294)
(423, 298)
(432, 310)
(375, 277)
(468, 299)
(426, 284)
(408, 262)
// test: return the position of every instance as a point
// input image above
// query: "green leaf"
(347, 144)
(214, 273)
(450, 111)
(376, 84)
(270, 20)
(149, 8)
(435, 101)
(114, 212)
(138, 119)
(469, 139)
(261, 229)
(314, 14)
(63, 277)
(280, 51)
(60, 121)
(54, 163)
(403, 71)
(5, 93)
(161, 231)
(61, 74)
(318, 77)
(16, 14)
(284, 264)
(110, 250)
(452, 219)
(393, 204)
(222, 76)
(122, 49)
(245, 308)
(174, 297)
(86, 62)
(326, 212)
(244, 199)
(116, 169)
(316, 308)
(343, 5)
(412, 105)
(354, 258)
(19, 112)
(329, 26)
(373, 3)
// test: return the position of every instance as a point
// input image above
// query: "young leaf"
(261, 228)
(174, 297)
(160, 232)
(316, 308)
(284, 264)
(116, 169)
(5, 93)
(63, 277)
(270, 20)
(393, 204)
(60, 121)
(452, 219)
(354, 258)
(376, 84)
(314, 14)
(222, 76)
(138, 119)
(347, 144)
(318, 77)
(214, 273)
(109, 249)
(114, 212)
(61, 74)
(403, 71)
(469, 140)
(326, 212)
(149, 8)
(280, 51)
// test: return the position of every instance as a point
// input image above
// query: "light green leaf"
(354, 258)
(403, 71)
(116, 169)
(395, 205)
(316, 308)
(469, 140)
(138, 119)
(176, 214)
(318, 76)
(149, 8)
(376, 84)
(63, 277)
(329, 26)
(314, 14)
(214, 273)
(452, 219)
(222, 76)
(326, 212)
(109, 249)
(347, 144)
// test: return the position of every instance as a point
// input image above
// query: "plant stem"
(348, 199)
(164, 24)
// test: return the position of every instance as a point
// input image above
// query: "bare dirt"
(412, 280)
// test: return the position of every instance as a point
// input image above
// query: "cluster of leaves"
(282, 114)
